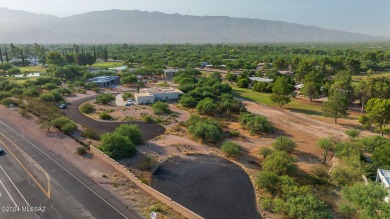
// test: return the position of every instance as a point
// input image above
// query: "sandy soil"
(137, 113)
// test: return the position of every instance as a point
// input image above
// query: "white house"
(151, 95)
(383, 176)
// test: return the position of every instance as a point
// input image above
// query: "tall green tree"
(55, 58)
(326, 144)
(311, 90)
(1, 57)
(23, 63)
(5, 66)
(336, 106)
(6, 55)
(378, 114)
(281, 92)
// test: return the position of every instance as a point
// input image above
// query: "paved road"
(210, 186)
(149, 130)
(71, 194)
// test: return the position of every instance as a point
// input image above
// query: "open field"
(296, 105)
(37, 68)
(107, 64)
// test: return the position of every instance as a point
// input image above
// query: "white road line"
(65, 170)
(15, 187)
(8, 193)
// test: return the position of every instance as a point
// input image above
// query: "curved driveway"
(210, 186)
(149, 130)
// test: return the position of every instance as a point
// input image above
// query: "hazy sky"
(360, 16)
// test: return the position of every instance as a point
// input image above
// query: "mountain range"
(139, 27)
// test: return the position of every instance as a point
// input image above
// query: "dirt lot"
(306, 131)
(137, 113)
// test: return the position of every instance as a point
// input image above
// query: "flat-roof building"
(151, 95)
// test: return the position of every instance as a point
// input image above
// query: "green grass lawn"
(37, 68)
(107, 64)
(295, 105)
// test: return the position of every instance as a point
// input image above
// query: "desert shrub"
(117, 146)
(158, 208)
(23, 112)
(207, 130)
(60, 121)
(69, 127)
(87, 108)
(16, 90)
(161, 108)
(8, 101)
(188, 101)
(255, 124)
(206, 106)
(149, 119)
(81, 150)
(47, 97)
(4, 94)
(96, 89)
(131, 131)
(284, 143)
(352, 133)
(231, 149)
(127, 95)
(279, 162)
(268, 181)
(90, 85)
(49, 86)
(345, 175)
(265, 152)
(91, 134)
(105, 98)
(147, 163)
(234, 133)
(64, 124)
(105, 116)
(163, 84)
(31, 92)
(57, 96)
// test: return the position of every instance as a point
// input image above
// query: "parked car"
(130, 102)
(1, 150)
(62, 106)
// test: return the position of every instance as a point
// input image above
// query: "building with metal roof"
(383, 176)
(104, 81)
